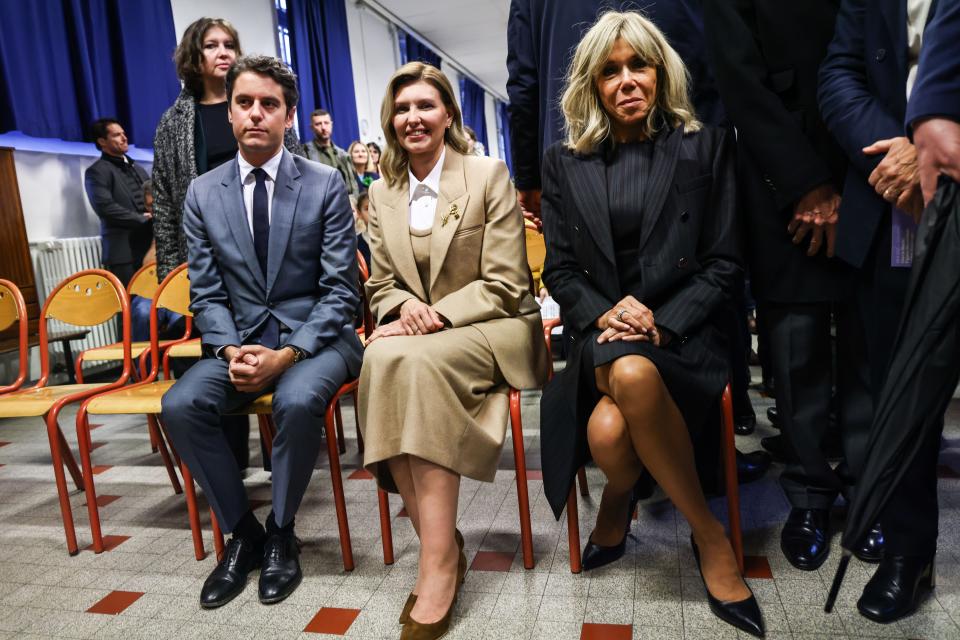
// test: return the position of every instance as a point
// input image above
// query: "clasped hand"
(416, 318)
(897, 178)
(629, 321)
(253, 367)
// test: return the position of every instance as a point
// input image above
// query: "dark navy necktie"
(270, 332)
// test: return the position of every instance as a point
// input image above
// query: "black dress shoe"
(805, 539)
(773, 417)
(743, 614)
(752, 466)
(778, 447)
(595, 556)
(894, 590)
(870, 548)
(281, 573)
(229, 577)
(745, 424)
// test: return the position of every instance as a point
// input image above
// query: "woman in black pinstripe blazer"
(638, 211)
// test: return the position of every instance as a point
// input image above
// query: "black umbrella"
(924, 370)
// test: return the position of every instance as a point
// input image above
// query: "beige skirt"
(440, 397)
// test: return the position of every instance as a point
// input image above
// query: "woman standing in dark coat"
(638, 211)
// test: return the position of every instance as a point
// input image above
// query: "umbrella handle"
(837, 581)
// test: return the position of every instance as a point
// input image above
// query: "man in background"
(321, 149)
(114, 186)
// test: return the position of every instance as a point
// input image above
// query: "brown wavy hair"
(394, 160)
(188, 57)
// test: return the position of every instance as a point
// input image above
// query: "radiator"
(53, 261)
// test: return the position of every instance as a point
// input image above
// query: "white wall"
(490, 114)
(255, 20)
(374, 57)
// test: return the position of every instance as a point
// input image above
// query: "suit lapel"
(394, 217)
(588, 181)
(235, 215)
(666, 150)
(451, 204)
(286, 193)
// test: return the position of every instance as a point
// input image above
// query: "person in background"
(194, 136)
(322, 149)
(360, 155)
(374, 150)
(114, 186)
(362, 219)
(474, 146)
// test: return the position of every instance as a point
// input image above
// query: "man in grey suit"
(273, 276)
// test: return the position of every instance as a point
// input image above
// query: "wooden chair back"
(174, 292)
(86, 299)
(144, 282)
(13, 309)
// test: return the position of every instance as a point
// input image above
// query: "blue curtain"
(504, 118)
(65, 63)
(472, 100)
(321, 57)
(412, 50)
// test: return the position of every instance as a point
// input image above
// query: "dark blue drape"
(65, 63)
(412, 50)
(472, 100)
(504, 119)
(321, 57)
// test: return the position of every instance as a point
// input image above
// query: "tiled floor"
(147, 585)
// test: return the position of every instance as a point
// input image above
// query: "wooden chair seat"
(141, 398)
(115, 351)
(188, 349)
(37, 402)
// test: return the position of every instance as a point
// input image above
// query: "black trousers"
(910, 520)
(803, 367)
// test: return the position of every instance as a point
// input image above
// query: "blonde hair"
(587, 124)
(368, 166)
(394, 160)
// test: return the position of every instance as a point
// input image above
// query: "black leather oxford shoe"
(745, 424)
(805, 538)
(773, 417)
(280, 574)
(752, 466)
(229, 577)
(870, 548)
(894, 590)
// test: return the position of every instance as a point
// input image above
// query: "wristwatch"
(298, 353)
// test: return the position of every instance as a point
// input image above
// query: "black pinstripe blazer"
(690, 262)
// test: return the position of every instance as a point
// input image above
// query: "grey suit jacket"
(311, 284)
(124, 233)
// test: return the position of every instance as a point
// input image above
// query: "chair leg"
(573, 531)
(198, 551)
(154, 446)
(266, 435)
(93, 511)
(386, 531)
(69, 460)
(342, 440)
(730, 477)
(166, 438)
(77, 367)
(218, 545)
(164, 453)
(55, 437)
(520, 463)
(336, 480)
(356, 418)
(582, 480)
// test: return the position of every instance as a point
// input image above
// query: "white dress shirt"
(423, 196)
(249, 181)
(917, 12)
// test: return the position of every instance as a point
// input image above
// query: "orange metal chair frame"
(729, 453)
(156, 428)
(20, 308)
(59, 450)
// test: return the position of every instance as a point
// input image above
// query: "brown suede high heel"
(461, 576)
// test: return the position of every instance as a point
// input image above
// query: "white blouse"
(423, 196)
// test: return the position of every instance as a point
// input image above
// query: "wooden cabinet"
(15, 263)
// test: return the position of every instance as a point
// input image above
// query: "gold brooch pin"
(454, 211)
